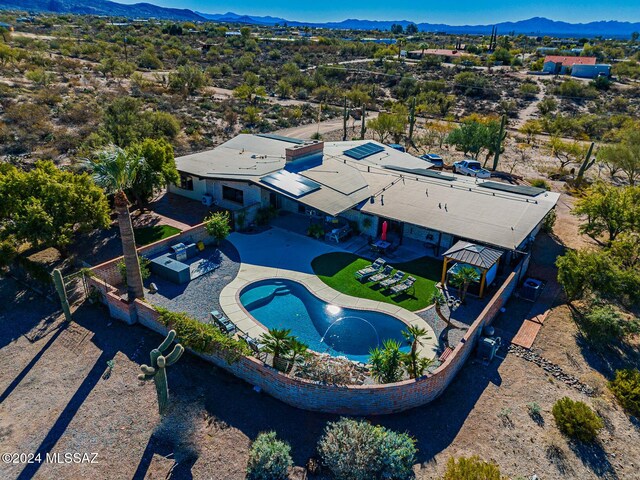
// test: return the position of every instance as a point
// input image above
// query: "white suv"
(471, 168)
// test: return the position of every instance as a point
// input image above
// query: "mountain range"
(532, 26)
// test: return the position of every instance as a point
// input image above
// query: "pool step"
(261, 302)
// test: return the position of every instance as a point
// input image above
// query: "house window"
(186, 182)
(233, 194)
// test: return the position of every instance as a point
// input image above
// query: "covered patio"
(484, 259)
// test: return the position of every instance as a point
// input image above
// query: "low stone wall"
(340, 399)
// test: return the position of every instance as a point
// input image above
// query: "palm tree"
(463, 278)
(115, 170)
(415, 335)
(423, 47)
(277, 342)
(298, 351)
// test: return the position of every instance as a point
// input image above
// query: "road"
(305, 132)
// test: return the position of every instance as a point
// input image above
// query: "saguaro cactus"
(363, 127)
(58, 281)
(412, 120)
(157, 370)
(345, 117)
(501, 136)
(587, 163)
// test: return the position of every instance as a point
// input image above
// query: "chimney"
(311, 147)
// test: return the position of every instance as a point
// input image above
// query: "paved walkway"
(278, 253)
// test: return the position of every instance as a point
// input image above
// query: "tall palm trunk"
(134, 277)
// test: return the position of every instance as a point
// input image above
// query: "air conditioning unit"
(207, 200)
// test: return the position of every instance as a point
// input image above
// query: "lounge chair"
(403, 286)
(372, 269)
(397, 278)
(385, 273)
(255, 346)
(223, 323)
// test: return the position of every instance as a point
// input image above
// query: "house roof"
(567, 60)
(401, 185)
(472, 254)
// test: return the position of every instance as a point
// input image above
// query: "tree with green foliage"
(156, 171)
(576, 420)
(126, 123)
(474, 135)
(218, 225)
(251, 90)
(115, 170)
(471, 468)
(567, 152)
(357, 450)
(625, 154)
(269, 458)
(386, 362)
(187, 79)
(46, 206)
(609, 211)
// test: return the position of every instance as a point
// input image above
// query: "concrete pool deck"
(278, 253)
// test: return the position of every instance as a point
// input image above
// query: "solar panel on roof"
(519, 189)
(273, 136)
(363, 151)
(291, 183)
(423, 172)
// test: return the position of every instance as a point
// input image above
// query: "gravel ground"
(200, 296)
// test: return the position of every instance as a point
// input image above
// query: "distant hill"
(101, 7)
(532, 26)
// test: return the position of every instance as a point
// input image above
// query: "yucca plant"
(277, 342)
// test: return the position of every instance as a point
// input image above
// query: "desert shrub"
(603, 325)
(576, 420)
(472, 468)
(218, 225)
(202, 337)
(269, 458)
(356, 450)
(626, 388)
(539, 183)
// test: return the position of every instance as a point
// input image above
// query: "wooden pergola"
(478, 256)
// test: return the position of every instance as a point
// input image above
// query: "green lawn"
(147, 235)
(337, 270)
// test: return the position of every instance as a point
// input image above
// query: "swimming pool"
(281, 303)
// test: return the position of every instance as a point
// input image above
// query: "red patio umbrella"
(385, 226)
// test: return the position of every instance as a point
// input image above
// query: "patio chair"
(385, 273)
(255, 346)
(225, 325)
(389, 282)
(403, 286)
(372, 269)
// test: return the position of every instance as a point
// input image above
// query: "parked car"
(471, 168)
(435, 159)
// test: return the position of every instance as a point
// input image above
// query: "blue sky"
(455, 13)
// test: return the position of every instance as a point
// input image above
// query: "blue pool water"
(281, 303)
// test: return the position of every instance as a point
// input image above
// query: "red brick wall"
(348, 399)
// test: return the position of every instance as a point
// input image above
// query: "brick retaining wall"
(341, 399)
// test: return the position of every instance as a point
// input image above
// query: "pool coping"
(234, 310)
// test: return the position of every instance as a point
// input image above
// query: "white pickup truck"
(471, 168)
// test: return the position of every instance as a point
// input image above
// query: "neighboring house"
(359, 180)
(583, 67)
(447, 55)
